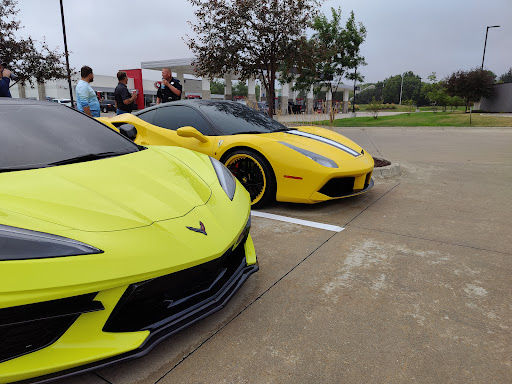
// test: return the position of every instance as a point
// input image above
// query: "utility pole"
(66, 52)
(485, 44)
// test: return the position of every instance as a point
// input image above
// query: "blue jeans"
(120, 112)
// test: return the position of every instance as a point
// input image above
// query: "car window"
(177, 116)
(234, 118)
(34, 135)
(147, 116)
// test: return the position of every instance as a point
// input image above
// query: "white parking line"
(327, 227)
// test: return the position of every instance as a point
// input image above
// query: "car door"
(169, 118)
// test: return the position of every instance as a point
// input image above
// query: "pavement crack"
(360, 213)
(246, 307)
(374, 146)
(102, 378)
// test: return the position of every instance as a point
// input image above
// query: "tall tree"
(335, 51)
(411, 87)
(22, 55)
(249, 38)
(217, 87)
(435, 92)
(506, 77)
(240, 89)
(471, 86)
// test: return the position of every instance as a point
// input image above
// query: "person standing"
(123, 98)
(86, 99)
(170, 89)
(4, 81)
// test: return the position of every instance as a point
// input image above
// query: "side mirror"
(192, 132)
(128, 130)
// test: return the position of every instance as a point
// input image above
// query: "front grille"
(338, 187)
(28, 328)
(181, 298)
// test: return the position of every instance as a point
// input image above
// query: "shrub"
(374, 107)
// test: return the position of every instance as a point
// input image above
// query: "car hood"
(313, 139)
(111, 194)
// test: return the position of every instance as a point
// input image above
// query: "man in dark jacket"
(170, 89)
(124, 100)
(4, 81)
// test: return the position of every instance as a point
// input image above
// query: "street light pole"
(66, 52)
(401, 86)
(485, 44)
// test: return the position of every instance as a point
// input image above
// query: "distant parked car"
(63, 101)
(107, 105)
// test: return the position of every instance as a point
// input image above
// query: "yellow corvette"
(302, 165)
(107, 247)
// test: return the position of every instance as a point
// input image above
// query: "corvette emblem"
(201, 228)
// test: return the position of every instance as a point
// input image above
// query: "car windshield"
(234, 118)
(42, 135)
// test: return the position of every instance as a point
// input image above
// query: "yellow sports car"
(107, 247)
(302, 164)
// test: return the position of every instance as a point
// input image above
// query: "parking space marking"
(327, 227)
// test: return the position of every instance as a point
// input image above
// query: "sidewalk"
(303, 118)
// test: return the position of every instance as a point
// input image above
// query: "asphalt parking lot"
(415, 288)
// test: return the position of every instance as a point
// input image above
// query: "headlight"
(22, 244)
(226, 178)
(322, 160)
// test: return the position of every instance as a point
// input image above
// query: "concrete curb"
(388, 171)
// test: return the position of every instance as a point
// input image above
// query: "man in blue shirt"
(5, 79)
(86, 99)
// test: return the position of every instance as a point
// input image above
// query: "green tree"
(454, 102)
(506, 77)
(336, 53)
(470, 86)
(22, 55)
(240, 89)
(251, 39)
(435, 92)
(370, 91)
(411, 88)
(217, 87)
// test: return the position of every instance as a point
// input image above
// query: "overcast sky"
(439, 36)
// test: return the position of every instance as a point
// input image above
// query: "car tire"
(104, 110)
(254, 173)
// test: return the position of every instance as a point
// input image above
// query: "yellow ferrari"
(302, 164)
(107, 247)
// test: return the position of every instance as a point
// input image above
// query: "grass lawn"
(424, 119)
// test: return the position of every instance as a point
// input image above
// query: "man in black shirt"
(124, 100)
(170, 89)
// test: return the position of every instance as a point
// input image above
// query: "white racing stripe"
(327, 227)
(326, 140)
